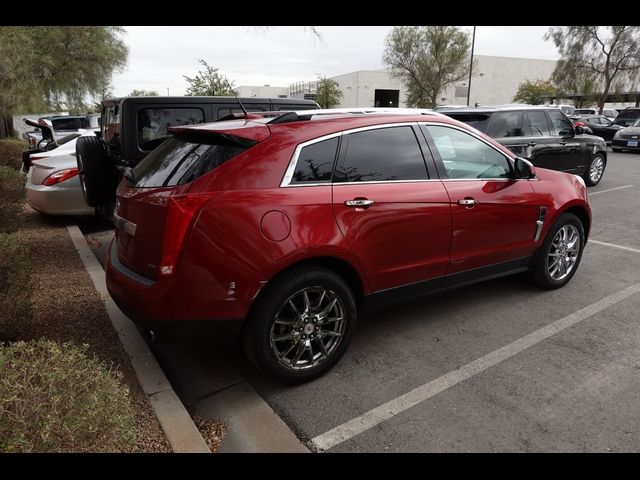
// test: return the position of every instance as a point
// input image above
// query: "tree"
(534, 92)
(571, 81)
(209, 82)
(428, 59)
(328, 93)
(612, 53)
(53, 67)
(143, 93)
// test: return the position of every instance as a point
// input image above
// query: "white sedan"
(53, 185)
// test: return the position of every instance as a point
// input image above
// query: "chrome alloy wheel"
(563, 253)
(597, 169)
(308, 328)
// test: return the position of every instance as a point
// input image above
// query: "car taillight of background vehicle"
(181, 214)
(579, 124)
(60, 176)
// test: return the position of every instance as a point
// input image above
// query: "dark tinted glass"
(535, 124)
(72, 123)
(627, 117)
(384, 154)
(505, 124)
(561, 124)
(315, 162)
(476, 120)
(181, 160)
(153, 123)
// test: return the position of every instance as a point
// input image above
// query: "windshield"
(627, 118)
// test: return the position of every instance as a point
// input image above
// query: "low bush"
(11, 152)
(53, 398)
(12, 195)
(15, 288)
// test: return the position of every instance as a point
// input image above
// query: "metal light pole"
(473, 44)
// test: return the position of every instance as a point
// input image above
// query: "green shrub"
(53, 398)
(12, 195)
(15, 288)
(11, 152)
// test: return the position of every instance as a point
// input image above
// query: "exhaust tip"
(150, 334)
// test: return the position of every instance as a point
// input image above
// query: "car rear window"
(181, 159)
(153, 123)
(476, 120)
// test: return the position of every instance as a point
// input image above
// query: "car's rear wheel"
(97, 176)
(595, 170)
(301, 325)
(560, 254)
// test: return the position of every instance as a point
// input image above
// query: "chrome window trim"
(288, 175)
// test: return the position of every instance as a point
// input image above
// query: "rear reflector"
(181, 212)
(60, 176)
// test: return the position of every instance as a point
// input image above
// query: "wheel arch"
(583, 215)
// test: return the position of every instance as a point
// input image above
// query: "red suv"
(278, 229)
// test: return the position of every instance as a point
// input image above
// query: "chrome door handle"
(359, 203)
(468, 202)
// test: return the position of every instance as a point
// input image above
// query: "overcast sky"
(160, 56)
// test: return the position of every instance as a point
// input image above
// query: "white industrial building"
(264, 91)
(495, 81)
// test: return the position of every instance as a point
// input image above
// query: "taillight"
(60, 176)
(181, 212)
(579, 124)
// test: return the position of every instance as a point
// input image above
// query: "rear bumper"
(623, 144)
(175, 309)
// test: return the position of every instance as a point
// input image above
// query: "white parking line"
(615, 246)
(418, 395)
(610, 190)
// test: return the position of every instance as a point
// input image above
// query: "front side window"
(154, 122)
(535, 124)
(383, 154)
(181, 159)
(465, 156)
(315, 162)
(561, 124)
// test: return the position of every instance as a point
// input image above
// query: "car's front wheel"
(595, 170)
(560, 254)
(301, 325)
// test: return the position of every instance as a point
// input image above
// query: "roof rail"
(297, 115)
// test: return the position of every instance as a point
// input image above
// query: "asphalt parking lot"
(498, 366)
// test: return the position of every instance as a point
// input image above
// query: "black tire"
(261, 325)
(592, 180)
(98, 178)
(539, 274)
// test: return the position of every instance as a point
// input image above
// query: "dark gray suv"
(542, 135)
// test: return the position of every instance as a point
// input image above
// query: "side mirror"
(523, 168)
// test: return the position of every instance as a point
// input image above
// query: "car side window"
(383, 154)
(561, 124)
(465, 156)
(535, 124)
(505, 124)
(315, 162)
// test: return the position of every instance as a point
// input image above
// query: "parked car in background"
(278, 230)
(63, 125)
(53, 186)
(599, 125)
(543, 135)
(448, 107)
(566, 109)
(133, 126)
(610, 113)
(627, 138)
(577, 122)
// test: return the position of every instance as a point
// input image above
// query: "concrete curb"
(181, 432)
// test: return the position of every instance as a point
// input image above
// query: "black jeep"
(131, 127)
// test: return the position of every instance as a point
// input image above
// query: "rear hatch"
(154, 209)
